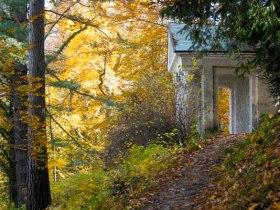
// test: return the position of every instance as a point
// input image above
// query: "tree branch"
(62, 47)
(60, 17)
(102, 75)
(76, 91)
(82, 21)
(66, 132)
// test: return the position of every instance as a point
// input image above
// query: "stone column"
(207, 85)
(188, 98)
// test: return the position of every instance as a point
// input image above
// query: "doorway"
(232, 102)
(224, 113)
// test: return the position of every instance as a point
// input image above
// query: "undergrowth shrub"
(148, 111)
(4, 197)
(113, 188)
(194, 140)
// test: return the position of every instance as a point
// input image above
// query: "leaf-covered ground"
(249, 177)
(230, 172)
(182, 186)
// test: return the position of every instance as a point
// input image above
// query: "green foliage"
(251, 22)
(65, 84)
(13, 12)
(251, 172)
(145, 162)
(194, 140)
(11, 29)
(171, 137)
(13, 6)
(112, 188)
(10, 51)
(4, 197)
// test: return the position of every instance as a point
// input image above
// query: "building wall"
(240, 98)
(187, 81)
(197, 82)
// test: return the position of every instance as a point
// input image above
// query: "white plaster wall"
(197, 100)
(187, 82)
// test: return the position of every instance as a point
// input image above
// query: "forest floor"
(188, 184)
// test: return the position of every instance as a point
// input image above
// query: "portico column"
(207, 85)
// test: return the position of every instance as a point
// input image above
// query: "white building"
(197, 81)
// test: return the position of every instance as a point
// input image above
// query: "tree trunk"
(11, 171)
(39, 196)
(20, 133)
(20, 127)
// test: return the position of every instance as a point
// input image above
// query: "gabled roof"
(181, 41)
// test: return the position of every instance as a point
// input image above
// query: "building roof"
(181, 41)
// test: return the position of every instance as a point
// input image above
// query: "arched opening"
(224, 107)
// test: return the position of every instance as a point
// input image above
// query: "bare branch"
(79, 20)
(102, 75)
(60, 17)
(66, 132)
(79, 1)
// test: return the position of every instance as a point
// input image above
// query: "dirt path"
(186, 185)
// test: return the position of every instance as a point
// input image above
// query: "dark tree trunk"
(10, 152)
(11, 171)
(39, 196)
(20, 128)
(12, 183)
(17, 171)
(20, 133)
